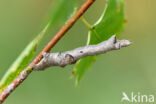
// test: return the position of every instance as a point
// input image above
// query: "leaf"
(111, 22)
(22, 61)
(60, 12)
(64, 10)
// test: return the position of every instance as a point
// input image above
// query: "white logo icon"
(125, 97)
(137, 98)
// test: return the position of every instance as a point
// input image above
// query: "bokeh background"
(131, 69)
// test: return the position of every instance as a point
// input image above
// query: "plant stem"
(90, 27)
(24, 74)
(86, 23)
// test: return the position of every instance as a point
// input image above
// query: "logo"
(137, 98)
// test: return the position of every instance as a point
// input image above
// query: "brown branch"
(24, 74)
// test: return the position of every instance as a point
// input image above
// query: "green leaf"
(61, 10)
(22, 61)
(60, 13)
(111, 22)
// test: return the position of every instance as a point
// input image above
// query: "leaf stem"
(90, 27)
(24, 74)
(86, 23)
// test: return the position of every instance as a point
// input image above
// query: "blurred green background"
(131, 69)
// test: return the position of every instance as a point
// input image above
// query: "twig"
(70, 57)
(23, 75)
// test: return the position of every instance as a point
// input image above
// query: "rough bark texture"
(70, 57)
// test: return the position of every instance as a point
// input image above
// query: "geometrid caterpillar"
(70, 57)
